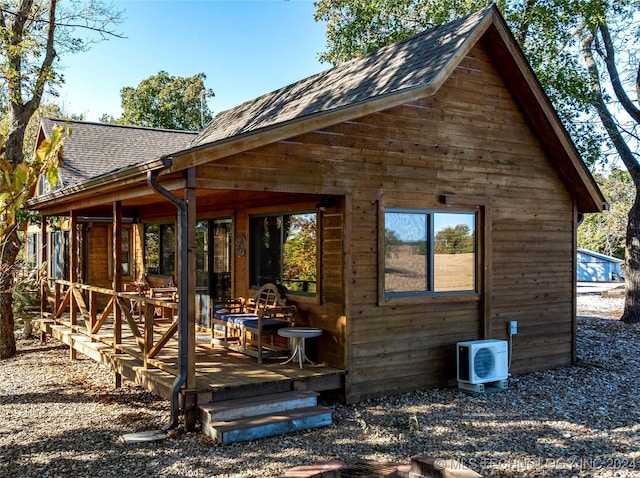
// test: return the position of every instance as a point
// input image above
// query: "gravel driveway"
(60, 418)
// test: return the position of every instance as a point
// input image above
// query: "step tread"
(256, 427)
(257, 400)
(261, 420)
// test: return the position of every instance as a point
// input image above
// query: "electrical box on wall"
(513, 327)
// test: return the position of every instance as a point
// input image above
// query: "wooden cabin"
(412, 198)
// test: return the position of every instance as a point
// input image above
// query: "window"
(125, 238)
(284, 251)
(159, 249)
(427, 252)
(34, 245)
(59, 254)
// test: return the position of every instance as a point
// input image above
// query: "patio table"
(298, 335)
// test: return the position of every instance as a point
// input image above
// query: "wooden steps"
(267, 415)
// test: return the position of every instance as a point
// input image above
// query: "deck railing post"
(58, 298)
(44, 277)
(148, 331)
(73, 278)
(93, 312)
(117, 282)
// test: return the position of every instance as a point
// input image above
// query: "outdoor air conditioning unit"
(482, 361)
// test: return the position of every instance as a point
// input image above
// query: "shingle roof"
(409, 64)
(94, 149)
(393, 75)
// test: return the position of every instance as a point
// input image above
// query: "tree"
(299, 253)
(456, 239)
(164, 101)
(584, 52)
(605, 233)
(33, 33)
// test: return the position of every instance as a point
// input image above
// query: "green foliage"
(606, 232)
(356, 27)
(26, 293)
(17, 183)
(33, 34)
(164, 101)
(455, 240)
(299, 253)
(391, 240)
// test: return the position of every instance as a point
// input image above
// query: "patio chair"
(254, 320)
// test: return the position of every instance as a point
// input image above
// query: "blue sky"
(245, 47)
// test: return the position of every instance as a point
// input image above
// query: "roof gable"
(418, 62)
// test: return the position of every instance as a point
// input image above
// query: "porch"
(144, 348)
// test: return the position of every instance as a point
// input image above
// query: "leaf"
(52, 176)
(21, 174)
(5, 166)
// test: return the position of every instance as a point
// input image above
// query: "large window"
(427, 252)
(159, 249)
(284, 251)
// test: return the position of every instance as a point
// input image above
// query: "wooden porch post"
(116, 258)
(190, 199)
(43, 262)
(74, 252)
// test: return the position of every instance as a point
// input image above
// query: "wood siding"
(469, 141)
(469, 144)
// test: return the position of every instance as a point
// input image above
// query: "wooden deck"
(221, 374)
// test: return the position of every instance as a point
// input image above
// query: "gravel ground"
(60, 418)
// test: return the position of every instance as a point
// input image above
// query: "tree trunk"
(631, 313)
(9, 252)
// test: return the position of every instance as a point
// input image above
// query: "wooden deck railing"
(84, 300)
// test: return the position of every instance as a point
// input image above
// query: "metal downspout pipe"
(183, 278)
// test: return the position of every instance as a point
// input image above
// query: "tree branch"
(523, 30)
(603, 112)
(609, 61)
(47, 62)
(16, 36)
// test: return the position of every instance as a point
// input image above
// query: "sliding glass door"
(213, 266)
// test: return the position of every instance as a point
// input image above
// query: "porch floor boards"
(221, 374)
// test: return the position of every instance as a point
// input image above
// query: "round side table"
(297, 335)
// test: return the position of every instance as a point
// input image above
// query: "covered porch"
(139, 342)
(199, 245)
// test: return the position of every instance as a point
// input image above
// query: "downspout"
(183, 277)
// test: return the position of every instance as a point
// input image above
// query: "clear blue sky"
(245, 47)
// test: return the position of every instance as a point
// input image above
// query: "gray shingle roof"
(412, 63)
(94, 149)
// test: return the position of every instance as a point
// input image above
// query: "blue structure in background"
(596, 267)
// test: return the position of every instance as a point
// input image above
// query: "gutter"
(183, 278)
(97, 181)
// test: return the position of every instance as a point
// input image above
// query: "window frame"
(418, 297)
(313, 296)
(161, 272)
(128, 247)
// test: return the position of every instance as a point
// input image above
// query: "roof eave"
(79, 190)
